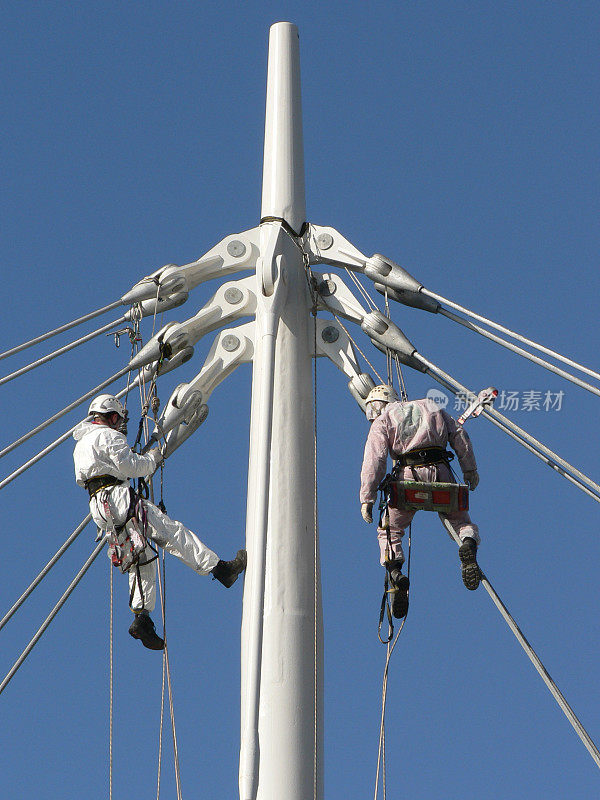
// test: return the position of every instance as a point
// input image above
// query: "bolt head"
(326, 288)
(230, 343)
(236, 248)
(233, 295)
(324, 241)
(330, 334)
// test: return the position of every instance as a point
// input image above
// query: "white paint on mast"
(281, 736)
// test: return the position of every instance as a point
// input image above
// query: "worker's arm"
(127, 462)
(374, 461)
(461, 443)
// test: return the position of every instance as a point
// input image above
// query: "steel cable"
(53, 613)
(519, 350)
(510, 333)
(53, 445)
(72, 345)
(552, 459)
(9, 448)
(534, 658)
(62, 329)
(38, 579)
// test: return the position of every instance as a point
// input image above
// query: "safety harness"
(128, 540)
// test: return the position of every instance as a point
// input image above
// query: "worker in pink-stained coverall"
(415, 434)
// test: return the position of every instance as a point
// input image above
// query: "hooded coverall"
(100, 450)
(405, 426)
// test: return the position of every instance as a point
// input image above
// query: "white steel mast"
(281, 722)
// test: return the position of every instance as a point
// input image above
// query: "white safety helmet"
(378, 398)
(107, 404)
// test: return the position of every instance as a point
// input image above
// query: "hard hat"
(382, 392)
(106, 404)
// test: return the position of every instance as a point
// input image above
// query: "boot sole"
(153, 643)
(471, 575)
(400, 599)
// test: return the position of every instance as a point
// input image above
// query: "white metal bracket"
(231, 301)
(334, 296)
(333, 341)
(235, 252)
(231, 348)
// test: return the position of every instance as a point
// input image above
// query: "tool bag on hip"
(417, 495)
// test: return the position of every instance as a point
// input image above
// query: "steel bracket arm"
(178, 435)
(325, 245)
(332, 341)
(235, 252)
(334, 296)
(233, 300)
(231, 348)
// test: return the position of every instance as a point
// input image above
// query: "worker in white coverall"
(104, 464)
(415, 434)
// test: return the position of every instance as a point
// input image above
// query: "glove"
(366, 511)
(471, 476)
(157, 455)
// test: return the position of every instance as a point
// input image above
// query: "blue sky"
(461, 140)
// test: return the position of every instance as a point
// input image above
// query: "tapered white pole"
(281, 736)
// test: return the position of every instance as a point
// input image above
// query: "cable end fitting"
(385, 335)
(383, 270)
(407, 298)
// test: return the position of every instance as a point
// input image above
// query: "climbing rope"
(315, 555)
(357, 346)
(366, 296)
(149, 401)
(390, 641)
(167, 670)
(110, 681)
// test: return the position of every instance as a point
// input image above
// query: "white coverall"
(405, 426)
(100, 450)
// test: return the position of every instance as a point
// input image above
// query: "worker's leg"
(146, 599)
(398, 522)
(468, 534)
(463, 526)
(392, 553)
(178, 540)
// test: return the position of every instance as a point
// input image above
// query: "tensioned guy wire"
(533, 657)
(45, 571)
(53, 445)
(44, 360)
(519, 350)
(53, 613)
(62, 329)
(510, 333)
(553, 460)
(9, 448)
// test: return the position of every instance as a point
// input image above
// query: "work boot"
(226, 572)
(398, 589)
(467, 553)
(143, 628)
